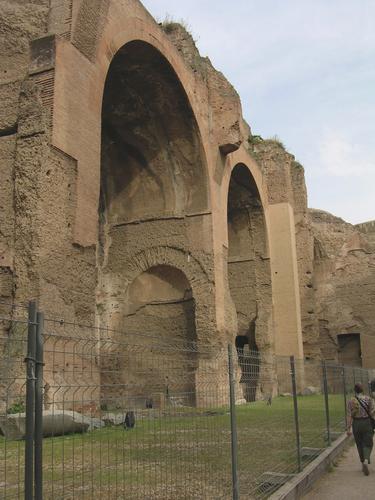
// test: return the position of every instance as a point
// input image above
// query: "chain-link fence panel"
(138, 418)
(141, 416)
(14, 325)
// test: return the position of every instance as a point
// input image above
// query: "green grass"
(176, 455)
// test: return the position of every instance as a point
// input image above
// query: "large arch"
(156, 337)
(77, 106)
(153, 175)
(152, 160)
(249, 275)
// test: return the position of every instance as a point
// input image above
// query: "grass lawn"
(177, 455)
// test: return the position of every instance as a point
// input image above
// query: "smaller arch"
(242, 157)
(158, 286)
(199, 277)
(156, 318)
(114, 287)
(249, 274)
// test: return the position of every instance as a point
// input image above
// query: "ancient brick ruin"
(133, 194)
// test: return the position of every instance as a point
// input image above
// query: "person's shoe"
(365, 468)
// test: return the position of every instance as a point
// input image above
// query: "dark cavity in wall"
(151, 149)
(151, 168)
(349, 347)
(244, 232)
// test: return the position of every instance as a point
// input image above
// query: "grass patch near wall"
(181, 454)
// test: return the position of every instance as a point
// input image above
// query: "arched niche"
(159, 303)
(152, 161)
(249, 277)
(153, 173)
(79, 88)
(155, 341)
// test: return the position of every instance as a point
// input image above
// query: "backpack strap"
(364, 406)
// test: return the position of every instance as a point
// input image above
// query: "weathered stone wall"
(112, 170)
(287, 203)
(335, 262)
(305, 255)
(344, 283)
(19, 23)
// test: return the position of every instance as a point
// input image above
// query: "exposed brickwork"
(119, 144)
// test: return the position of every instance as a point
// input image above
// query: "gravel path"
(346, 482)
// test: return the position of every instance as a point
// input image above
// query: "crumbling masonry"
(134, 196)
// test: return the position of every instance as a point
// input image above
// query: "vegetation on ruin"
(276, 141)
(17, 407)
(169, 24)
(257, 139)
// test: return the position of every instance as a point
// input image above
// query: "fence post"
(326, 402)
(38, 450)
(233, 423)
(344, 389)
(296, 419)
(30, 401)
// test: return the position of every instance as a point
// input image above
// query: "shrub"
(18, 407)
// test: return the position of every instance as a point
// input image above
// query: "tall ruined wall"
(37, 194)
(78, 227)
(20, 22)
(335, 260)
(305, 256)
(344, 283)
(286, 192)
(96, 193)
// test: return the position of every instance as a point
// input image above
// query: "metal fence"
(88, 412)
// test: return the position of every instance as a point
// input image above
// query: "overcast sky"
(305, 71)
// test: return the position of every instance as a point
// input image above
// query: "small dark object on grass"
(269, 401)
(129, 422)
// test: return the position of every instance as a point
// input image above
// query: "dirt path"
(346, 481)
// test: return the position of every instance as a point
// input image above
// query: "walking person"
(361, 410)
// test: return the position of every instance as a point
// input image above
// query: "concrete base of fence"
(55, 423)
(302, 482)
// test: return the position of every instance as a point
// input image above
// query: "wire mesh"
(140, 416)
(267, 443)
(153, 416)
(13, 343)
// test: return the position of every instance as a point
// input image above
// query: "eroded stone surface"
(134, 197)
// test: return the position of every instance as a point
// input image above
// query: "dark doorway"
(350, 349)
(248, 360)
(246, 273)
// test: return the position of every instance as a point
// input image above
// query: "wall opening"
(155, 323)
(151, 156)
(349, 349)
(153, 173)
(160, 304)
(246, 249)
(248, 360)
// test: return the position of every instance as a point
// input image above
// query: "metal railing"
(88, 412)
